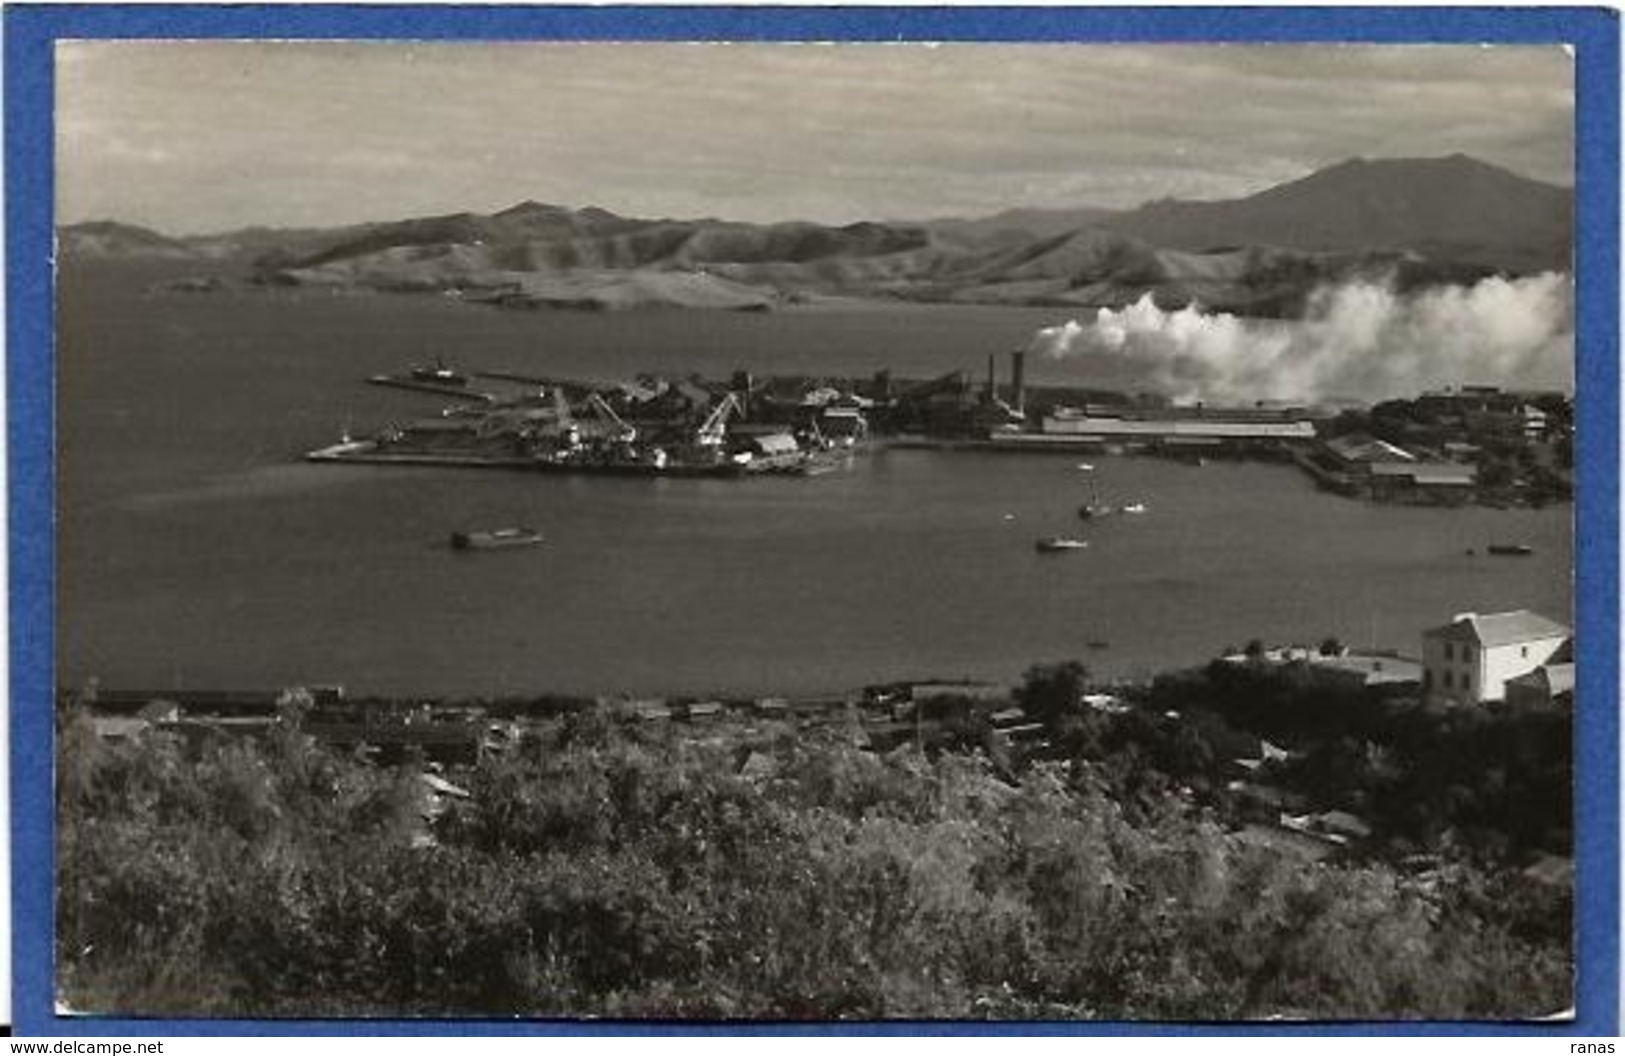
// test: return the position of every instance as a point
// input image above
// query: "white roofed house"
(1471, 659)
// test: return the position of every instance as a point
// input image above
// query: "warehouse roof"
(1455, 473)
(1361, 448)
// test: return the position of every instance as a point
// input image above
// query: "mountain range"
(1412, 221)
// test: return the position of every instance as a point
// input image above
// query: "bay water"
(196, 549)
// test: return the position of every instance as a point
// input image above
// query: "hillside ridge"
(1417, 221)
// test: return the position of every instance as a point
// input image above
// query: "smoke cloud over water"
(1359, 340)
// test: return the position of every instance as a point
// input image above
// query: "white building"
(1470, 659)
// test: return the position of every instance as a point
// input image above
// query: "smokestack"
(882, 385)
(741, 385)
(992, 382)
(1018, 380)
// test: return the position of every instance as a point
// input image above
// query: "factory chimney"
(992, 382)
(1018, 380)
(740, 386)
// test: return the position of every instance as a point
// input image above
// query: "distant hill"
(1420, 221)
(108, 239)
(1454, 207)
(1015, 226)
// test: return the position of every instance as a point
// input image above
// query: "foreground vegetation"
(608, 869)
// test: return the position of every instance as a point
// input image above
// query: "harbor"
(1474, 444)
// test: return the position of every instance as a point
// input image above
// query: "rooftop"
(1427, 472)
(1552, 678)
(1362, 448)
(1501, 628)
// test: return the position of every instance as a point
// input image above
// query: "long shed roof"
(1459, 474)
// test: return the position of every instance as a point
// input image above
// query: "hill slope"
(110, 240)
(1455, 207)
(1423, 221)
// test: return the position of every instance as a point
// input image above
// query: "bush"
(634, 875)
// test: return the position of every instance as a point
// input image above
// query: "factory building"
(1193, 423)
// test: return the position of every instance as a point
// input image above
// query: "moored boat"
(439, 374)
(496, 539)
(1510, 549)
(1058, 543)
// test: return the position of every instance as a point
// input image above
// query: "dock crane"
(714, 430)
(597, 403)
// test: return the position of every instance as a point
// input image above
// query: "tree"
(1496, 472)
(1051, 691)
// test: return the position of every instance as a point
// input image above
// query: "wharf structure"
(1477, 444)
(647, 426)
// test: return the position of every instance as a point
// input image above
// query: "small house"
(1471, 659)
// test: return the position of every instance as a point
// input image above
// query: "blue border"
(31, 30)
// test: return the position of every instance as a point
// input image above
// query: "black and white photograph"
(809, 532)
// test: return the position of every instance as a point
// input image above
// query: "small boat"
(1086, 467)
(439, 374)
(1094, 507)
(1057, 543)
(1510, 549)
(1134, 507)
(496, 539)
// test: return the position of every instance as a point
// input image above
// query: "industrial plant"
(1474, 444)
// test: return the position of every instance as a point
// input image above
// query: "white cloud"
(189, 136)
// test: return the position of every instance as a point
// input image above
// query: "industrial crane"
(597, 403)
(714, 429)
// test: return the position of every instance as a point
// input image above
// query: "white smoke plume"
(1055, 340)
(1358, 340)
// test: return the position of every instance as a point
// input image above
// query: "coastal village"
(1505, 663)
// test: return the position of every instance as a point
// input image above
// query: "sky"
(196, 137)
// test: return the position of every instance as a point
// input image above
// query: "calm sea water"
(195, 550)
